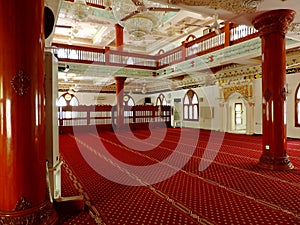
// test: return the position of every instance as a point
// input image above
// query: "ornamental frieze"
(245, 90)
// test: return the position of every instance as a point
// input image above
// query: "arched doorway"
(237, 110)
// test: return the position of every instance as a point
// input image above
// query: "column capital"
(120, 79)
(274, 21)
(118, 26)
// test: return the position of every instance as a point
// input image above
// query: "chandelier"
(138, 17)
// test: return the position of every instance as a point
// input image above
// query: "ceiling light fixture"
(139, 17)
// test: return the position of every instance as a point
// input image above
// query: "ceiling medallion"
(20, 83)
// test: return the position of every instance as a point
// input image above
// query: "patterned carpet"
(154, 178)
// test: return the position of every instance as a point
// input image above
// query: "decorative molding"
(275, 163)
(23, 204)
(20, 83)
(42, 214)
(295, 28)
(274, 21)
(229, 5)
(244, 90)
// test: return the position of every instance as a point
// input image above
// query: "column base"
(43, 214)
(271, 163)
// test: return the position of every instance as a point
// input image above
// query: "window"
(297, 107)
(128, 102)
(190, 106)
(67, 99)
(238, 109)
(161, 100)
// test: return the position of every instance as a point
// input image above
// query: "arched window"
(190, 106)
(297, 107)
(161, 100)
(128, 100)
(67, 99)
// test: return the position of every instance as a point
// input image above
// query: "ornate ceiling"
(235, 6)
(97, 29)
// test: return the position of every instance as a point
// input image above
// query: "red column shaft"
(120, 81)
(273, 27)
(23, 195)
(119, 37)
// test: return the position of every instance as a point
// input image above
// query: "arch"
(67, 99)
(297, 106)
(161, 51)
(128, 103)
(128, 100)
(237, 113)
(190, 106)
(161, 100)
(191, 37)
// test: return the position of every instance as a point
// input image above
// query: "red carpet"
(232, 190)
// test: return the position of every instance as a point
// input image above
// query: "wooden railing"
(70, 53)
(230, 35)
(241, 31)
(205, 44)
(105, 115)
(131, 59)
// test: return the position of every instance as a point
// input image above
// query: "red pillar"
(119, 80)
(23, 191)
(273, 26)
(227, 28)
(120, 95)
(119, 37)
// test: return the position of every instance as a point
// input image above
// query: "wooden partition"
(104, 116)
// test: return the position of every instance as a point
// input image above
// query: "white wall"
(293, 81)
(210, 96)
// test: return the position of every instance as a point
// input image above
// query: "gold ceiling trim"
(245, 90)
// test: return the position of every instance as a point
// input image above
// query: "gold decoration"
(20, 83)
(244, 90)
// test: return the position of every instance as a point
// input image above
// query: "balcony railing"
(104, 116)
(230, 35)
